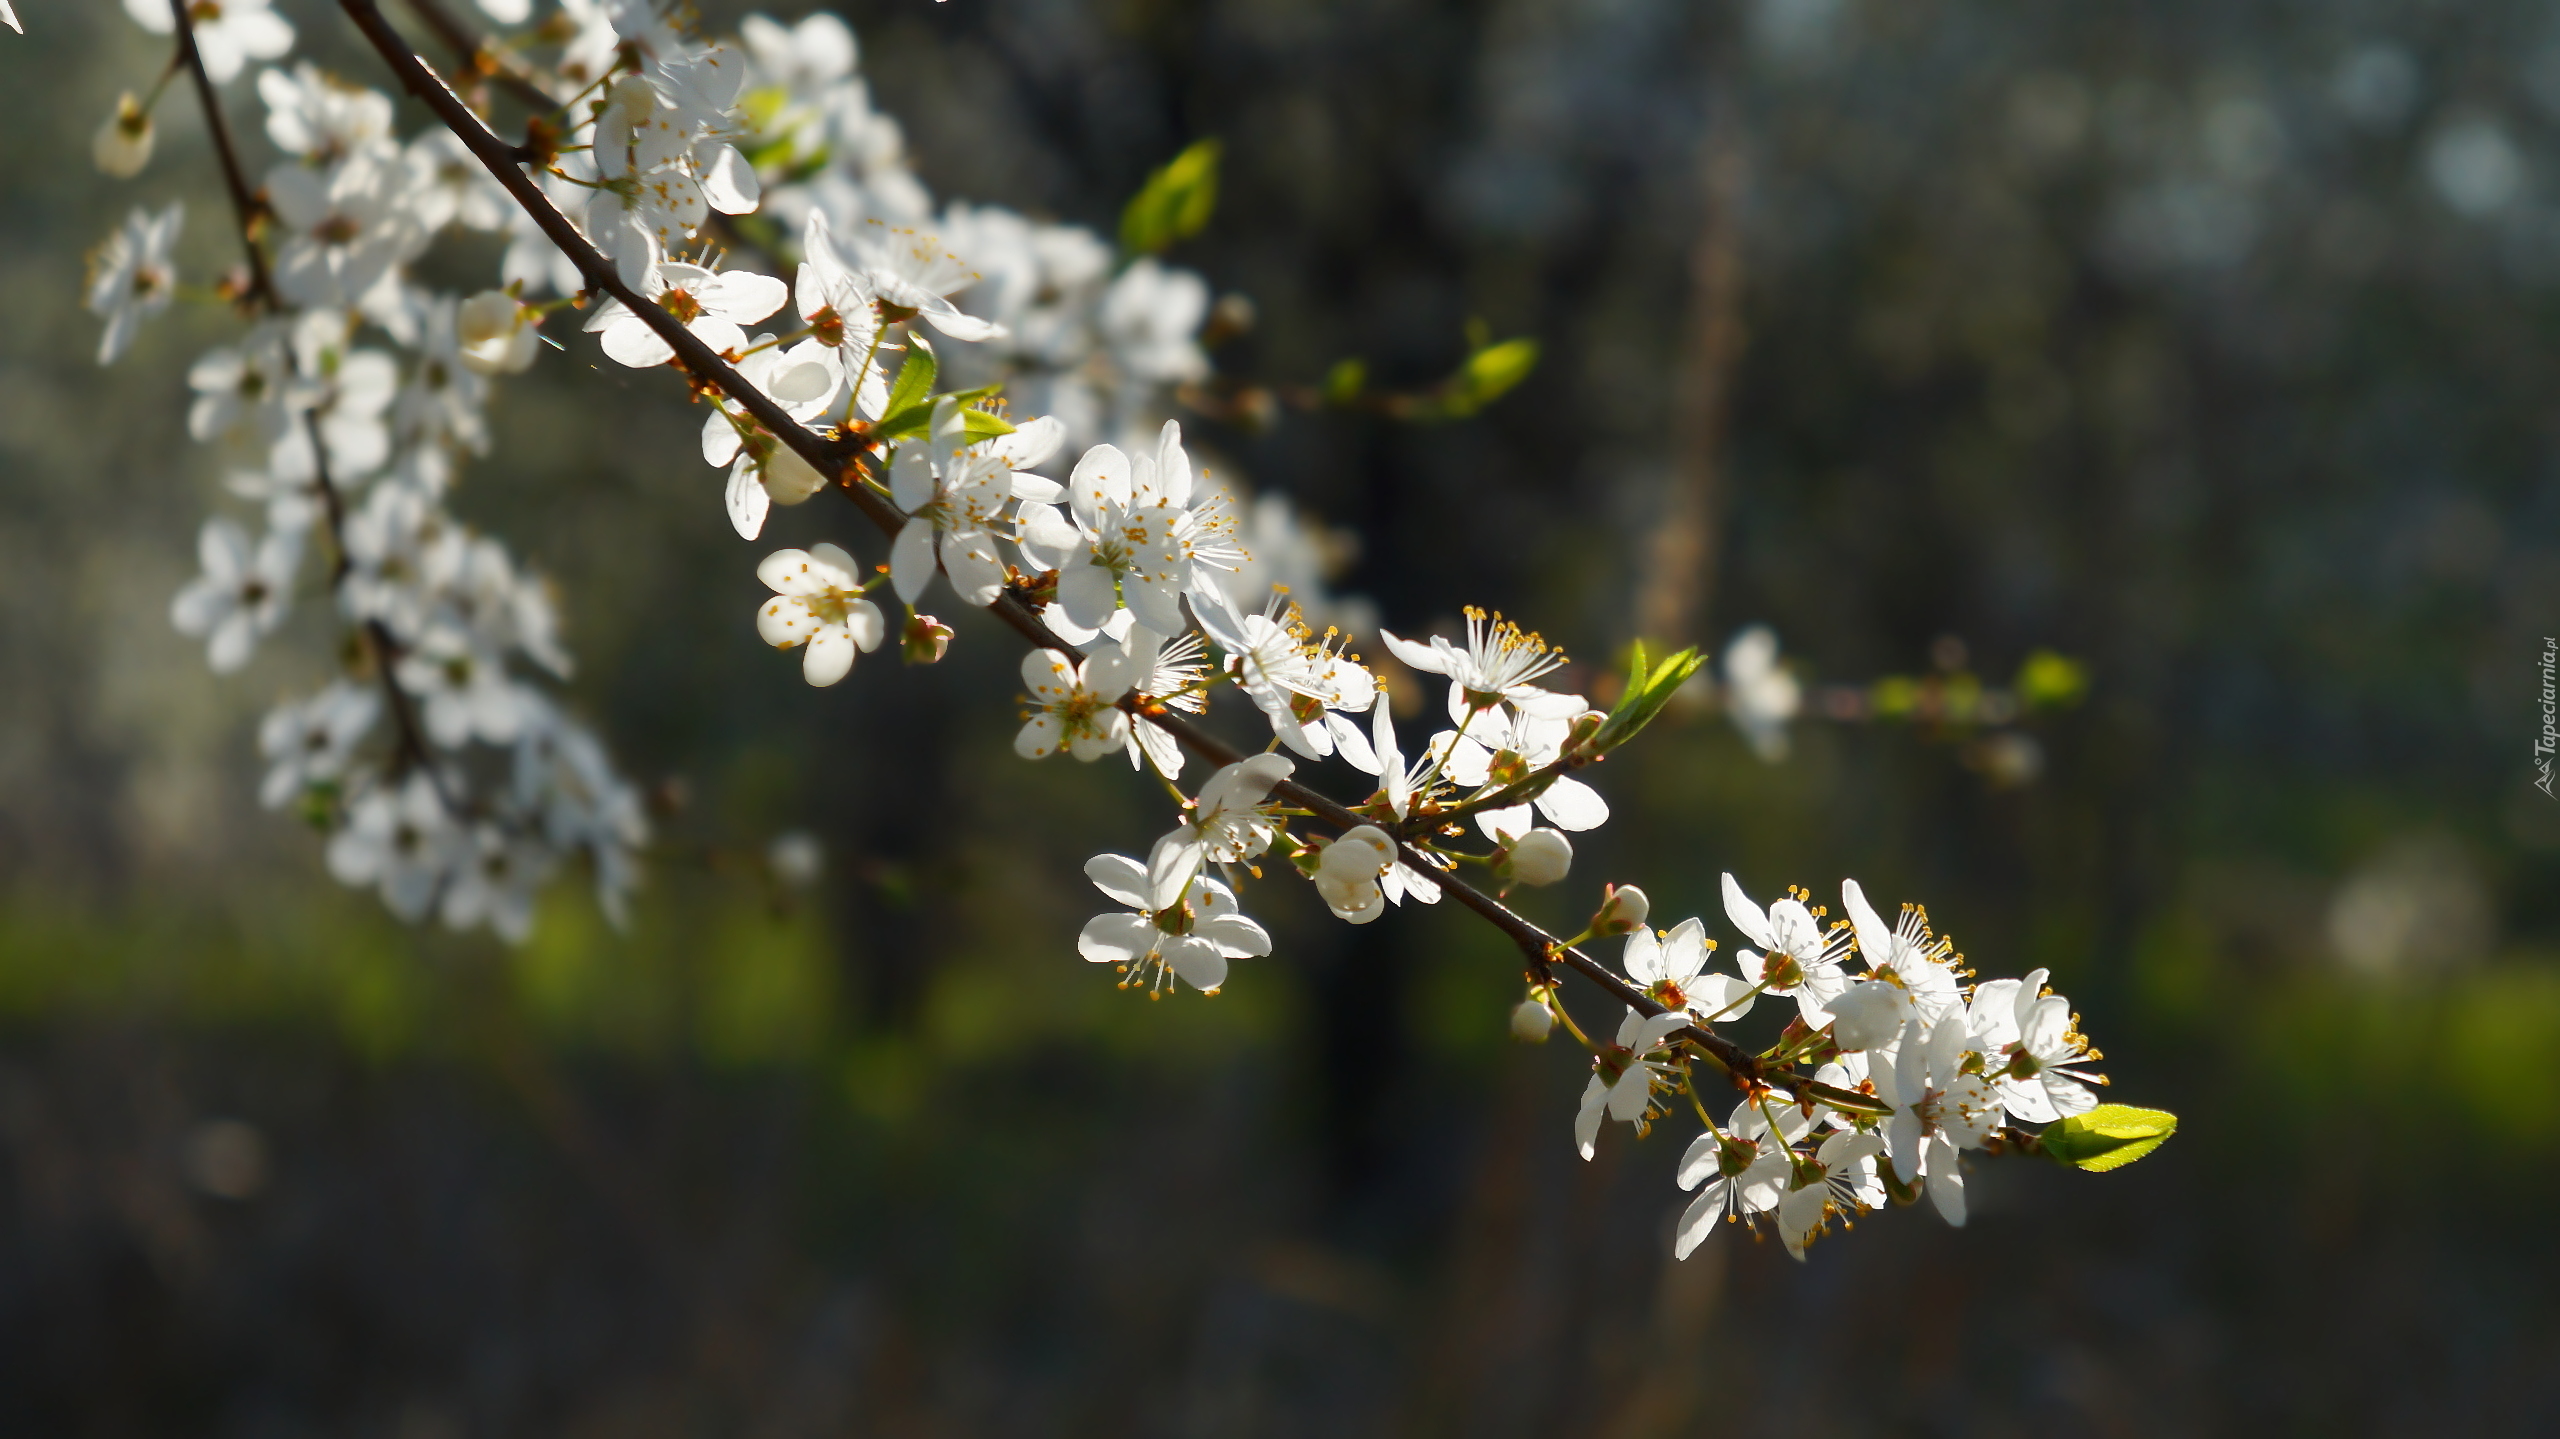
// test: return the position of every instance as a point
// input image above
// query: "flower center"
(1612, 1061)
(681, 304)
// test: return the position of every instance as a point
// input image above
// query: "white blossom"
(1166, 671)
(132, 277)
(1623, 1076)
(1795, 955)
(497, 334)
(1228, 823)
(1504, 743)
(321, 119)
(495, 876)
(818, 603)
(763, 470)
(954, 494)
(1672, 971)
(1497, 662)
(1130, 536)
(442, 402)
(462, 689)
(1073, 705)
(1840, 1178)
(809, 56)
(1150, 321)
(400, 840)
(1191, 936)
(913, 271)
(229, 33)
(837, 302)
(1760, 695)
(451, 187)
(2035, 1049)
(313, 741)
(341, 228)
(1746, 1170)
(242, 595)
(1941, 1103)
(244, 390)
(714, 305)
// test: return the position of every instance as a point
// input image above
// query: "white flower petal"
(1038, 738)
(1569, 804)
(1120, 877)
(911, 566)
(1117, 939)
(746, 500)
(829, 656)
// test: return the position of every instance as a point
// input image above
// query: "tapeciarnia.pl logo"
(2550, 737)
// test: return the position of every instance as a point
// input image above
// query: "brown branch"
(828, 456)
(246, 207)
(842, 459)
(474, 51)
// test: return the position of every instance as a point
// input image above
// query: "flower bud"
(1542, 856)
(788, 478)
(1531, 1021)
(494, 333)
(1622, 908)
(925, 639)
(122, 146)
(1361, 854)
(1585, 726)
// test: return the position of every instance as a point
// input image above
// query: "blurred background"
(2209, 345)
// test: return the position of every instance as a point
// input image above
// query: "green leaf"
(915, 380)
(2110, 1136)
(2051, 681)
(1648, 690)
(985, 426)
(1893, 696)
(917, 419)
(1344, 382)
(904, 424)
(1174, 204)
(1490, 373)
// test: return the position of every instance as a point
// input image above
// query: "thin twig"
(474, 51)
(410, 745)
(830, 457)
(246, 207)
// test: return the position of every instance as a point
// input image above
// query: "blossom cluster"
(1915, 1063)
(447, 778)
(873, 367)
